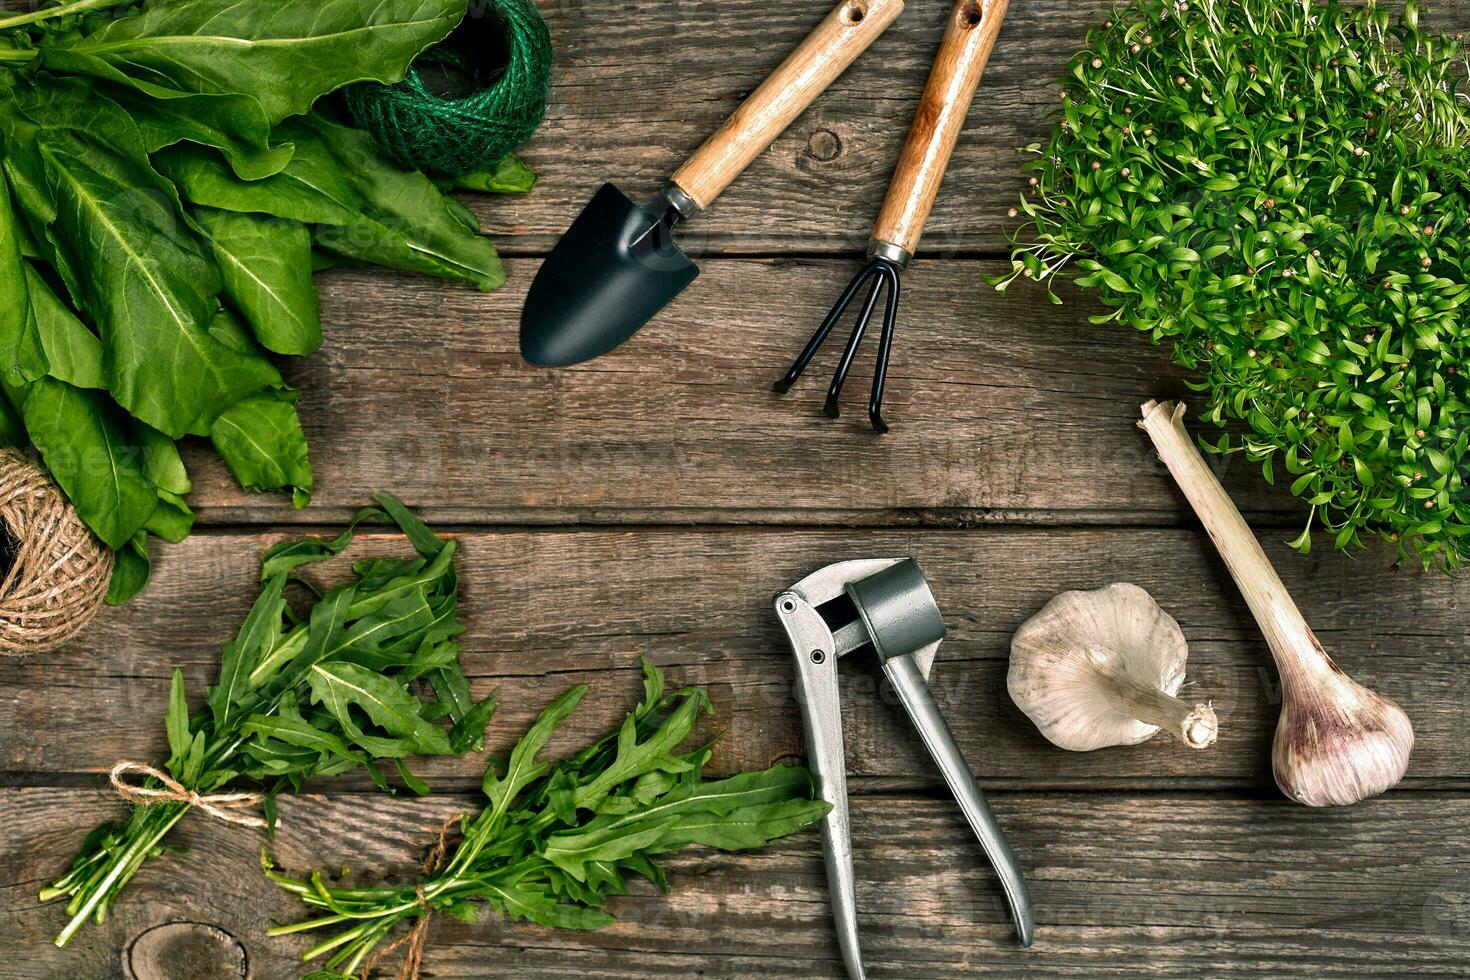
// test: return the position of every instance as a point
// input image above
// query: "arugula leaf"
(176, 723)
(259, 720)
(692, 812)
(340, 686)
(530, 855)
(519, 902)
(296, 731)
(523, 769)
(282, 53)
(744, 829)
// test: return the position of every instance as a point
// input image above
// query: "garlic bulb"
(1336, 741)
(1102, 668)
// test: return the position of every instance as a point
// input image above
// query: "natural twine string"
(59, 572)
(462, 133)
(416, 937)
(221, 806)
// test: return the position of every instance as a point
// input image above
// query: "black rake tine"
(840, 378)
(885, 347)
(820, 337)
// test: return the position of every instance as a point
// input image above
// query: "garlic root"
(1337, 742)
(1193, 724)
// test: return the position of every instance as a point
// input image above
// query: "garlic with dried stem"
(1102, 668)
(1337, 742)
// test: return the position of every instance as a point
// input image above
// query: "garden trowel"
(618, 264)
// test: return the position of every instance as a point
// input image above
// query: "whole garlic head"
(1096, 669)
(1337, 742)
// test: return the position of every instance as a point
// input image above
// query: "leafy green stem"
(120, 872)
(60, 10)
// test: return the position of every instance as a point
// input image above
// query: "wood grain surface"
(1166, 884)
(652, 501)
(548, 609)
(615, 116)
(1002, 408)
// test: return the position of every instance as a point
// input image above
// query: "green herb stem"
(60, 10)
(18, 56)
(121, 871)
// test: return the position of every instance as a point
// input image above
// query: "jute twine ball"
(55, 571)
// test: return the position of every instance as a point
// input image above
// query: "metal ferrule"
(889, 252)
(687, 206)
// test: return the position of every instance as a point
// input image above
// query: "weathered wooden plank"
(1001, 408)
(549, 609)
(639, 85)
(1165, 885)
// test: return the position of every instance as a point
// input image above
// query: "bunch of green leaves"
(305, 696)
(1280, 190)
(556, 841)
(168, 182)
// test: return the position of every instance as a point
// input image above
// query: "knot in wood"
(186, 951)
(824, 146)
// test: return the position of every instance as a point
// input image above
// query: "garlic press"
(884, 607)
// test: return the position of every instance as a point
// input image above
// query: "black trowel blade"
(611, 272)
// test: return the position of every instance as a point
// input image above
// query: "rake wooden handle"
(836, 43)
(973, 28)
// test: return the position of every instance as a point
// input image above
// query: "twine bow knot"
(416, 937)
(221, 806)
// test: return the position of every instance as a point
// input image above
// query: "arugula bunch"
(168, 182)
(305, 696)
(1280, 189)
(556, 841)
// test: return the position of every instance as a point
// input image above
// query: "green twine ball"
(497, 67)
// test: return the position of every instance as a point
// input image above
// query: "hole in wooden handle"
(854, 13)
(972, 15)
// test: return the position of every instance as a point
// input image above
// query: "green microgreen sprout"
(1280, 190)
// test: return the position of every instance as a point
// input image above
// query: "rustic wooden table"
(652, 501)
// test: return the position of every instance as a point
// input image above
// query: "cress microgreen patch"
(1279, 190)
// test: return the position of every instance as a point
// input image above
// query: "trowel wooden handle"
(846, 33)
(973, 28)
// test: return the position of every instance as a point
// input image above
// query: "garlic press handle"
(918, 701)
(815, 652)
